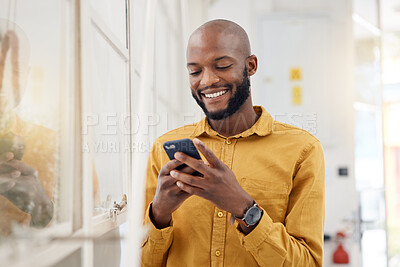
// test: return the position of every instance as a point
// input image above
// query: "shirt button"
(228, 142)
(220, 214)
(217, 253)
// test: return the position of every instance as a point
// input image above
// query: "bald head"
(222, 29)
(219, 64)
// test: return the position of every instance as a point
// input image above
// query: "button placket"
(220, 221)
(218, 237)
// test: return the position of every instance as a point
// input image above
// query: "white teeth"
(216, 94)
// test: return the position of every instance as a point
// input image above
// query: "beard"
(235, 102)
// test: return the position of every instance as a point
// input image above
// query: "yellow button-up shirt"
(281, 167)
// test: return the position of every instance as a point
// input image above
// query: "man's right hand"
(169, 197)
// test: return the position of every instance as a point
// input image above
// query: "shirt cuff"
(260, 233)
(156, 234)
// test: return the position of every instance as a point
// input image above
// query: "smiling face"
(235, 102)
(219, 63)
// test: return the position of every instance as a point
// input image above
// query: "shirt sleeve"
(299, 241)
(156, 244)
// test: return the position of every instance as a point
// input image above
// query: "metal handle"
(118, 207)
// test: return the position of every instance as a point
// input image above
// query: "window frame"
(81, 228)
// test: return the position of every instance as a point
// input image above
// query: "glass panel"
(367, 9)
(391, 98)
(370, 183)
(392, 174)
(139, 10)
(113, 13)
(108, 123)
(373, 243)
(367, 67)
(373, 207)
(368, 151)
(75, 259)
(34, 74)
(391, 59)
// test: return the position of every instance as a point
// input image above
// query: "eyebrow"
(217, 59)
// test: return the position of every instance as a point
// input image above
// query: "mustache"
(214, 86)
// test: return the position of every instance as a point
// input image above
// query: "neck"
(239, 122)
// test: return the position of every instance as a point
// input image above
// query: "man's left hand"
(218, 184)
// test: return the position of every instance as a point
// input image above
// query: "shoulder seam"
(292, 127)
(304, 152)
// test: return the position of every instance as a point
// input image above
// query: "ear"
(251, 64)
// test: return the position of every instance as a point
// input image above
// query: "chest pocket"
(271, 196)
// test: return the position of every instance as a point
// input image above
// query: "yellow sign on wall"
(296, 95)
(295, 74)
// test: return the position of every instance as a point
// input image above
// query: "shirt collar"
(262, 127)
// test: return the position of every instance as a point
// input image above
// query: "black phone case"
(182, 145)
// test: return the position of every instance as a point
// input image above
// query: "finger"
(196, 164)
(208, 154)
(6, 182)
(175, 190)
(24, 168)
(4, 168)
(187, 169)
(6, 156)
(15, 174)
(4, 187)
(190, 189)
(188, 179)
(169, 166)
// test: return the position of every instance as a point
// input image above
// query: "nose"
(208, 78)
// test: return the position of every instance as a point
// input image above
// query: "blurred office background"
(108, 77)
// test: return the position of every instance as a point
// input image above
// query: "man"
(266, 176)
(27, 151)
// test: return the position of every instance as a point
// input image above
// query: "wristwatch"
(252, 215)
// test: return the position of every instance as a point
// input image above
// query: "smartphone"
(182, 145)
(14, 145)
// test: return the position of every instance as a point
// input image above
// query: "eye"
(224, 67)
(194, 73)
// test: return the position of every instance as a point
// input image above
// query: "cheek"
(194, 83)
(231, 77)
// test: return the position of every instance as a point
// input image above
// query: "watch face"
(253, 215)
